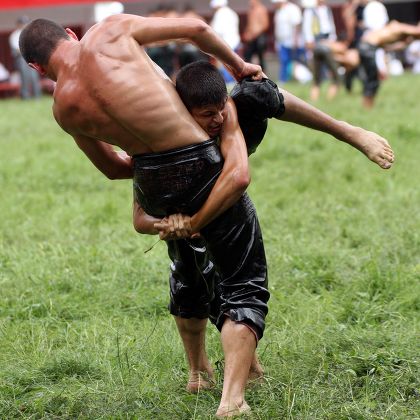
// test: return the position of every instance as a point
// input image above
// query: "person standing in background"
(318, 22)
(287, 31)
(225, 23)
(30, 85)
(318, 25)
(375, 16)
(352, 14)
(255, 34)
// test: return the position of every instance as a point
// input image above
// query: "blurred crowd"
(302, 34)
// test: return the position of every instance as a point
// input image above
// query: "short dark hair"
(200, 84)
(39, 39)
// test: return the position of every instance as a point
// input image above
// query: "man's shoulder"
(293, 9)
(110, 27)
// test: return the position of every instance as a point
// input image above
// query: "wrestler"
(109, 92)
(392, 33)
(90, 105)
(197, 289)
(193, 275)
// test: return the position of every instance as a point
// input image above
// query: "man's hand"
(249, 70)
(175, 226)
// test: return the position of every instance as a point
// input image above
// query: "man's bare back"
(257, 21)
(116, 94)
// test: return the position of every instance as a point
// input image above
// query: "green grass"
(84, 330)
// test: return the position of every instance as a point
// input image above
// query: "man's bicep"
(232, 143)
(149, 30)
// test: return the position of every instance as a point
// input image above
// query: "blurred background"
(80, 15)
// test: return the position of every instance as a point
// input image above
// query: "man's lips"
(215, 130)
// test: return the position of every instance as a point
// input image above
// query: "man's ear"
(71, 34)
(40, 69)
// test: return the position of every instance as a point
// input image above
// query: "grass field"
(84, 329)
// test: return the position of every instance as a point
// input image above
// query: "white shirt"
(375, 15)
(286, 18)
(4, 74)
(14, 42)
(325, 20)
(225, 23)
(413, 56)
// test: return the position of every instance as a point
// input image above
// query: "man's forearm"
(234, 178)
(113, 164)
(302, 113)
(375, 147)
(228, 189)
(209, 42)
(143, 222)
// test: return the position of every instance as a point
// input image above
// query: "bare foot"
(200, 381)
(256, 373)
(228, 412)
(375, 147)
(332, 92)
(314, 93)
(368, 102)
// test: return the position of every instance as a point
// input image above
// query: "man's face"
(210, 118)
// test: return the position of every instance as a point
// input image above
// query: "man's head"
(203, 91)
(217, 4)
(39, 39)
(278, 4)
(22, 21)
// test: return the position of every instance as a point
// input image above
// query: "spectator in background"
(188, 53)
(413, 56)
(288, 35)
(352, 14)
(323, 56)
(375, 16)
(318, 25)
(30, 85)
(318, 22)
(4, 74)
(225, 23)
(255, 34)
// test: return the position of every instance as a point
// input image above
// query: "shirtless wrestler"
(109, 92)
(192, 279)
(392, 33)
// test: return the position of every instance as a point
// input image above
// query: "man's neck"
(64, 56)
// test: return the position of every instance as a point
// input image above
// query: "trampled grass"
(84, 330)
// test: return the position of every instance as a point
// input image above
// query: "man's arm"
(143, 222)
(375, 147)
(231, 184)
(149, 30)
(113, 164)
(234, 179)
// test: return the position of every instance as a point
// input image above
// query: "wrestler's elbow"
(241, 180)
(123, 173)
(143, 228)
(199, 28)
(112, 175)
